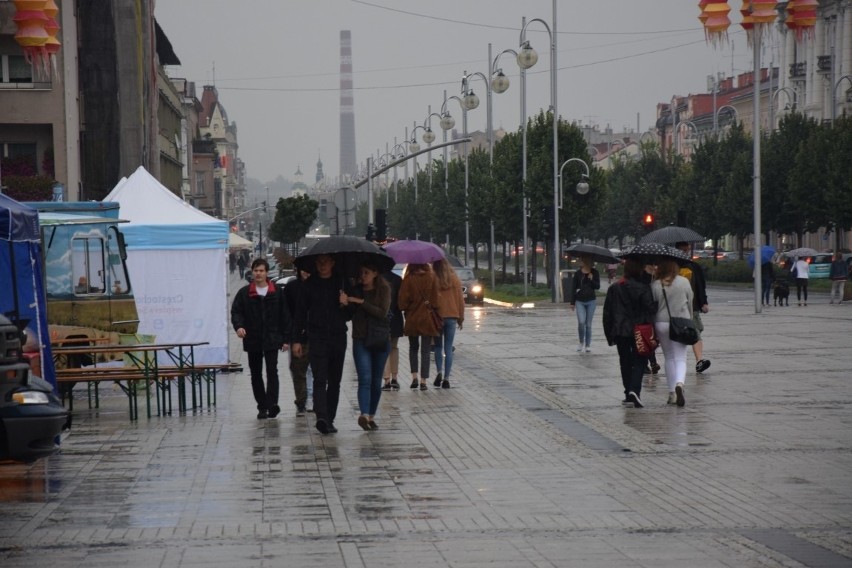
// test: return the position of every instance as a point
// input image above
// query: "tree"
(293, 218)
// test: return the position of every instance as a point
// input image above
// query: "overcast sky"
(277, 66)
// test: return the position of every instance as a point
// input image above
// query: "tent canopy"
(176, 257)
(161, 220)
(236, 242)
(21, 276)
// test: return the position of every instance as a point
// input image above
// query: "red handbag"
(646, 339)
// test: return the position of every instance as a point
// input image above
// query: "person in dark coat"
(391, 373)
(298, 365)
(261, 319)
(321, 315)
(629, 302)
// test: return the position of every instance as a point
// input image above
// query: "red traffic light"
(648, 219)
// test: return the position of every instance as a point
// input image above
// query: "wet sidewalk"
(530, 460)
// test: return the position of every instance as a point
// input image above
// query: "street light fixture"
(527, 57)
(582, 187)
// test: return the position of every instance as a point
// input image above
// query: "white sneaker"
(672, 398)
(580, 348)
(588, 348)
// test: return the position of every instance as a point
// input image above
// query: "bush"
(727, 271)
(29, 188)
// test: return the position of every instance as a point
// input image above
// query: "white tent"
(177, 258)
(236, 242)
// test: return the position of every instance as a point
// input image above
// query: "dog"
(781, 293)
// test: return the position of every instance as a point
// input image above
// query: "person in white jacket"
(800, 273)
(678, 297)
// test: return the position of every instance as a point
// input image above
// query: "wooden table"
(144, 367)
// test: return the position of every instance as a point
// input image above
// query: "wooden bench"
(198, 375)
(131, 375)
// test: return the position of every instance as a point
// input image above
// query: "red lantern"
(805, 16)
(717, 22)
(748, 21)
(703, 15)
(32, 34)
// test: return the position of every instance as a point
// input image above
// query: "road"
(529, 461)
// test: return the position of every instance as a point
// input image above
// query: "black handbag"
(682, 330)
(378, 334)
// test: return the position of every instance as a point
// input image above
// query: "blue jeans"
(444, 347)
(585, 316)
(766, 284)
(370, 366)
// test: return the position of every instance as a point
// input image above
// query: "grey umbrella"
(597, 254)
(801, 252)
(648, 252)
(671, 235)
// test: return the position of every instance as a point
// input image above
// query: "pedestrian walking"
(391, 373)
(241, 265)
(800, 271)
(767, 278)
(298, 365)
(418, 295)
(673, 295)
(838, 274)
(371, 300)
(693, 272)
(321, 316)
(262, 320)
(583, 299)
(628, 302)
(451, 302)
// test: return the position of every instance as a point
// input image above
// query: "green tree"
(293, 217)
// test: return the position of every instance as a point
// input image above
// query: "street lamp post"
(583, 185)
(447, 122)
(834, 92)
(527, 57)
(793, 101)
(719, 112)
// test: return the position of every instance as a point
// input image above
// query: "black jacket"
(583, 288)
(627, 303)
(397, 321)
(319, 315)
(699, 286)
(266, 319)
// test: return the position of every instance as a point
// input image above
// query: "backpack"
(686, 272)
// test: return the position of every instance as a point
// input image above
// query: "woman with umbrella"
(767, 273)
(418, 295)
(583, 299)
(372, 299)
(673, 294)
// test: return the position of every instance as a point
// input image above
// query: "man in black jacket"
(321, 315)
(261, 319)
(693, 272)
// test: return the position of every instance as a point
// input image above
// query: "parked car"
(31, 415)
(818, 266)
(472, 289)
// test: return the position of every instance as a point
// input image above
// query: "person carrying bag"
(674, 325)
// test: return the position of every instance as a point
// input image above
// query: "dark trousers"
(299, 372)
(326, 358)
(632, 365)
(265, 396)
(801, 285)
(420, 351)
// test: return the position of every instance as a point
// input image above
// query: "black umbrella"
(650, 252)
(349, 254)
(596, 253)
(672, 235)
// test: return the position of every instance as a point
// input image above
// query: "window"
(15, 70)
(87, 266)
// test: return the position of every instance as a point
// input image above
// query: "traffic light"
(381, 225)
(547, 219)
(264, 206)
(648, 222)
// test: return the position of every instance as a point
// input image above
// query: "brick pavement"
(529, 461)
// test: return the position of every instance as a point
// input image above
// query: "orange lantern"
(703, 15)
(32, 34)
(51, 47)
(805, 12)
(748, 21)
(717, 22)
(763, 11)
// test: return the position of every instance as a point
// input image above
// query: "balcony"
(823, 64)
(797, 70)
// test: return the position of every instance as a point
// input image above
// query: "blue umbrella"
(766, 254)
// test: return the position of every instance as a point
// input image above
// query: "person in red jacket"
(261, 319)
